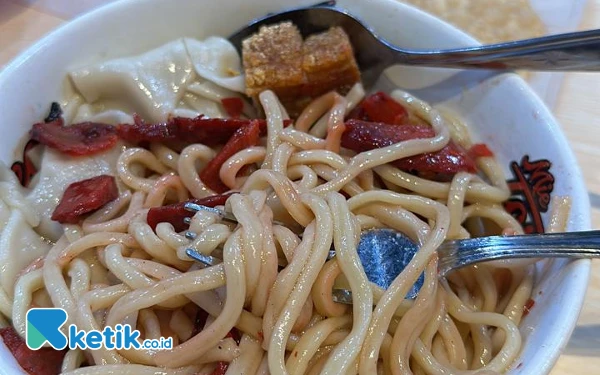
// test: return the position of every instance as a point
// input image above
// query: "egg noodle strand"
(114, 268)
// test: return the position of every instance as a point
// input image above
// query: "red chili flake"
(528, 306)
(208, 131)
(25, 170)
(363, 136)
(380, 107)
(175, 213)
(358, 113)
(480, 150)
(246, 170)
(261, 336)
(84, 197)
(345, 194)
(45, 361)
(235, 335)
(243, 138)
(200, 321)
(86, 138)
(54, 113)
(221, 368)
(234, 106)
(140, 131)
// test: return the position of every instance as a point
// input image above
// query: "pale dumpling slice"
(12, 196)
(212, 92)
(20, 245)
(4, 214)
(88, 112)
(59, 171)
(216, 59)
(151, 84)
(205, 107)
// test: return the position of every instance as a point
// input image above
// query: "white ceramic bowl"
(502, 111)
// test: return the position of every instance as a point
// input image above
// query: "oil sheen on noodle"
(113, 268)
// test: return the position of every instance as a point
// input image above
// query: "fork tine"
(211, 261)
(331, 254)
(205, 259)
(342, 296)
(339, 295)
(193, 207)
(223, 215)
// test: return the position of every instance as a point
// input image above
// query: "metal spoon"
(578, 51)
(384, 253)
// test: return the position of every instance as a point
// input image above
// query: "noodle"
(303, 193)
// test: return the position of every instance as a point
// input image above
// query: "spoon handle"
(579, 51)
(455, 254)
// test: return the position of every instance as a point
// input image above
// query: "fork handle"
(579, 245)
(579, 51)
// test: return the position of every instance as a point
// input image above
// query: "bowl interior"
(500, 109)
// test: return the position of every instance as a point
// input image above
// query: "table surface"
(22, 22)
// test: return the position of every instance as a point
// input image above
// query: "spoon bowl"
(579, 51)
(384, 253)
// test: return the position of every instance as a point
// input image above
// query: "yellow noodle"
(275, 284)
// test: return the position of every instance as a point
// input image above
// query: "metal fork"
(383, 244)
(579, 51)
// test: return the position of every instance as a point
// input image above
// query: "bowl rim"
(582, 267)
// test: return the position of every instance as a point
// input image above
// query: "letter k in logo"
(43, 325)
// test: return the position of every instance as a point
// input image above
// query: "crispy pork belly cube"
(328, 63)
(273, 60)
(297, 70)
